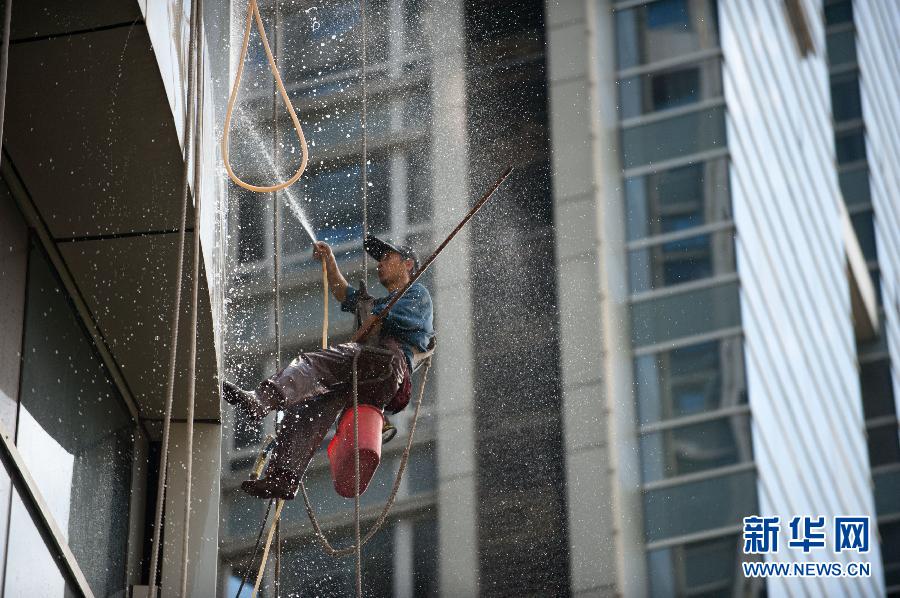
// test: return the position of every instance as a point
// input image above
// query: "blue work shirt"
(410, 321)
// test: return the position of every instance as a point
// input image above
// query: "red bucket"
(340, 450)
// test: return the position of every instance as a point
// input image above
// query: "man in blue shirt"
(317, 386)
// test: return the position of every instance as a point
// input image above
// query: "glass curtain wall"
(76, 438)
(318, 49)
(694, 422)
(874, 362)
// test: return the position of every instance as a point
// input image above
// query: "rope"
(365, 144)
(356, 545)
(195, 294)
(189, 118)
(325, 304)
(276, 224)
(365, 205)
(253, 14)
(262, 528)
(404, 459)
(4, 63)
(265, 555)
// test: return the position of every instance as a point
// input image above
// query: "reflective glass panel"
(673, 137)
(684, 314)
(864, 225)
(331, 38)
(665, 29)
(677, 199)
(250, 234)
(841, 47)
(31, 569)
(308, 571)
(884, 444)
(839, 12)
(417, 163)
(850, 146)
(689, 380)
(698, 506)
(425, 551)
(890, 551)
(877, 388)
(845, 101)
(855, 185)
(887, 493)
(670, 88)
(74, 432)
(683, 570)
(681, 261)
(696, 447)
(331, 195)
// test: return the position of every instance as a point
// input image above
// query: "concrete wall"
(452, 295)
(795, 300)
(602, 473)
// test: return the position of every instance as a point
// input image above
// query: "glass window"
(308, 571)
(841, 47)
(864, 225)
(670, 88)
(247, 433)
(698, 506)
(690, 380)
(418, 184)
(74, 432)
(855, 186)
(890, 550)
(248, 324)
(839, 12)
(680, 570)
(850, 146)
(884, 444)
(877, 388)
(425, 555)
(673, 137)
(684, 314)
(331, 39)
(887, 489)
(31, 569)
(845, 101)
(696, 447)
(665, 29)
(334, 200)
(681, 261)
(250, 234)
(677, 199)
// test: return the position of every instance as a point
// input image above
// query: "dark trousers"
(317, 386)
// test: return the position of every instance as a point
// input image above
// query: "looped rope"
(253, 13)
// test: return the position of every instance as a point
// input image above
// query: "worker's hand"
(322, 250)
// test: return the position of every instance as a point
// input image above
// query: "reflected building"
(666, 319)
(680, 310)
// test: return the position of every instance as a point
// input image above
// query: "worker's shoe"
(246, 401)
(388, 431)
(278, 483)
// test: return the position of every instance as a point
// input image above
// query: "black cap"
(377, 248)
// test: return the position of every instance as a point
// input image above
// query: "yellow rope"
(253, 13)
(265, 555)
(325, 312)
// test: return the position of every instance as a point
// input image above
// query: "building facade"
(679, 311)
